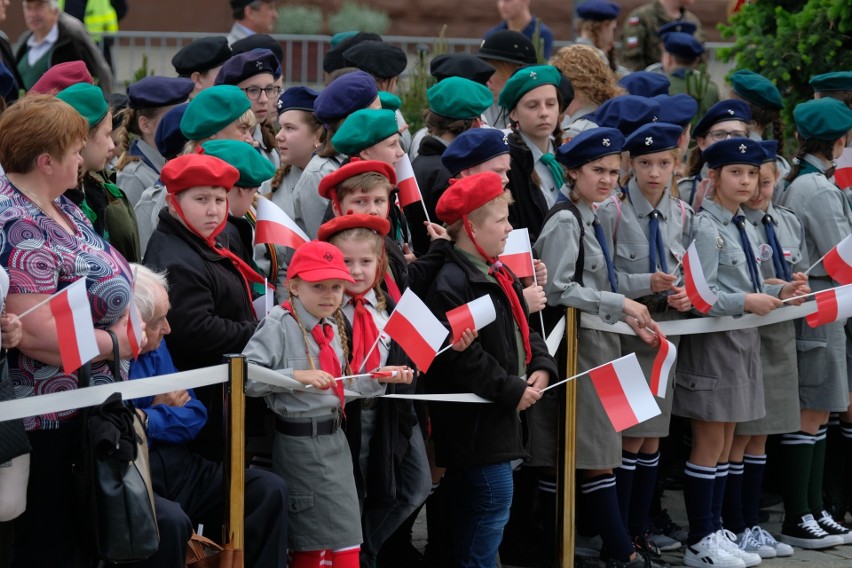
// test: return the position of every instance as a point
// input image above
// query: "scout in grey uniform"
(310, 449)
(718, 381)
(572, 232)
(823, 375)
(650, 230)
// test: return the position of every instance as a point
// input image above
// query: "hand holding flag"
(413, 326)
(74, 327)
(699, 292)
(472, 315)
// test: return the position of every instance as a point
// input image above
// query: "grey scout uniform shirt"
(137, 176)
(791, 236)
(723, 260)
(557, 248)
(308, 205)
(630, 232)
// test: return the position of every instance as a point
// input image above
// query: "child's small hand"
(538, 380)
(465, 340)
(679, 299)
(315, 378)
(530, 397)
(395, 374)
(535, 298)
(436, 231)
(409, 256)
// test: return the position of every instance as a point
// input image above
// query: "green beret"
(364, 128)
(838, 81)
(254, 169)
(390, 101)
(756, 89)
(525, 80)
(86, 99)
(212, 110)
(459, 98)
(824, 119)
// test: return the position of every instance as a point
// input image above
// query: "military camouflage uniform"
(697, 85)
(640, 44)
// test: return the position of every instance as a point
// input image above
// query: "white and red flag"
(273, 225)
(624, 392)
(472, 315)
(518, 253)
(409, 191)
(666, 356)
(832, 305)
(74, 328)
(838, 261)
(416, 329)
(699, 292)
(135, 330)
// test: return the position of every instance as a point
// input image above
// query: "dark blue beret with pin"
(345, 95)
(683, 45)
(246, 65)
(653, 138)
(258, 41)
(169, 138)
(734, 151)
(770, 149)
(473, 147)
(626, 113)
(598, 10)
(202, 55)
(682, 26)
(590, 145)
(729, 109)
(677, 109)
(297, 98)
(378, 58)
(7, 81)
(152, 92)
(645, 83)
(462, 65)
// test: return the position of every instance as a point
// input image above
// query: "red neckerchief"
(364, 336)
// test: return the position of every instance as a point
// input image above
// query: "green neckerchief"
(113, 190)
(808, 168)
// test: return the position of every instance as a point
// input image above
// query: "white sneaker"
(727, 541)
(748, 541)
(763, 537)
(707, 552)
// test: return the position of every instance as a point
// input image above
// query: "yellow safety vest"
(100, 17)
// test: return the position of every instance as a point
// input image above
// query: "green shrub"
(353, 16)
(305, 20)
(412, 89)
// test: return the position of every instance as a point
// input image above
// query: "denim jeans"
(484, 497)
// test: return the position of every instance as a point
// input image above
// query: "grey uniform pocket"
(694, 381)
(812, 358)
(302, 513)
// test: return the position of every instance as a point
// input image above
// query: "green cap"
(86, 99)
(254, 169)
(364, 128)
(838, 81)
(390, 101)
(823, 119)
(756, 89)
(212, 110)
(340, 36)
(459, 98)
(525, 80)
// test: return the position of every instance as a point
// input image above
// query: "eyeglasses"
(253, 93)
(719, 135)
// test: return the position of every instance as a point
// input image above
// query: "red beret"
(61, 76)
(196, 170)
(375, 223)
(353, 168)
(316, 261)
(467, 194)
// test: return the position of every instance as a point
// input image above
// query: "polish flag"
(273, 225)
(624, 392)
(700, 294)
(413, 326)
(518, 254)
(74, 327)
(666, 356)
(263, 304)
(832, 305)
(409, 191)
(472, 315)
(843, 172)
(838, 261)
(135, 332)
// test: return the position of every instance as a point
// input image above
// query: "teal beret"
(459, 98)
(525, 80)
(756, 89)
(390, 101)
(254, 169)
(837, 81)
(212, 110)
(86, 99)
(823, 119)
(364, 128)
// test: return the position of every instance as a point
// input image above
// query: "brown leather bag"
(204, 553)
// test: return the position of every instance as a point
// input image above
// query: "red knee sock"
(309, 559)
(346, 558)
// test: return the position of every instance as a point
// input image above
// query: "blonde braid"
(344, 338)
(128, 120)
(304, 333)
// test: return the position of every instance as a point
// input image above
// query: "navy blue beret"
(734, 151)
(297, 98)
(333, 59)
(683, 45)
(378, 58)
(201, 55)
(653, 138)
(152, 92)
(258, 41)
(598, 10)
(590, 145)
(677, 26)
(677, 109)
(7, 81)
(345, 95)
(729, 109)
(461, 65)
(645, 83)
(473, 147)
(626, 113)
(169, 138)
(770, 149)
(246, 65)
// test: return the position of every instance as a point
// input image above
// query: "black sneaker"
(808, 534)
(642, 560)
(829, 525)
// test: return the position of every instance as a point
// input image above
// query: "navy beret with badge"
(626, 113)
(378, 58)
(461, 65)
(682, 26)
(246, 65)
(734, 151)
(757, 89)
(653, 138)
(677, 109)
(645, 83)
(508, 45)
(473, 147)
(345, 95)
(333, 58)
(590, 145)
(598, 10)
(155, 91)
(202, 55)
(297, 98)
(683, 45)
(729, 109)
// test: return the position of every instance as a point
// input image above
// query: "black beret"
(333, 59)
(461, 65)
(508, 45)
(378, 58)
(255, 41)
(201, 55)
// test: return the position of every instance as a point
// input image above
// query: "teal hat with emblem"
(253, 167)
(822, 119)
(364, 128)
(390, 101)
(213, 109)
(459, 98)
(757, 89)
(86, 99)
(525, 80)
(837, 81)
